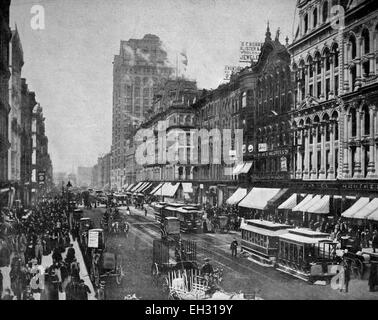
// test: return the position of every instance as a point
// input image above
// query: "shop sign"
(250, 148)
(244, 148)
(263, 147)
(92, 239)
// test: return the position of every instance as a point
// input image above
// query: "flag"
(184, 58)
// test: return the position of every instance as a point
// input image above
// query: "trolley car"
(306, 254)
(260, 240)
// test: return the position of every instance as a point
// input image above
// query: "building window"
(305, 19)
(315, 17)
(328, 86)
(336, 131)
(366, 38)
(319, 87)
(336, 85)
(325, 11)
(365, 110)
(353, 47)
(244, 99)
(354, 122)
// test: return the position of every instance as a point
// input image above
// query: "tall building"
(14, 129)
(5, 36)
(140, 65)
(27, 104)
(60, 179)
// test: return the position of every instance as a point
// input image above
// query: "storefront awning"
(136, 186)
(258, 198)
(156, 188)
(320, 207)
(237, 196)
(306, 200)
(311, 203)
(355, 207)
(277, 196)
(373, 216)
(138, 189)
(145, 187)
(168, 189)
(246, 167)
(367, 210)
(289, 203)
(125, 186)
(237, 169)
(130, 186)
(187, 187)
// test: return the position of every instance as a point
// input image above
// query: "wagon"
(104, 264)
(171, 255)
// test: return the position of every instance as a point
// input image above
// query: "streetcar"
(306, 254)
(260, 240)
(190, 218)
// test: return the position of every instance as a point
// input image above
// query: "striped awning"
(145, 187)
(306, 200)
(289, 203)
(136, 186)
(311, 203)
(168, 189)
(246, 167)
(237, 169)
(156, 188)
(130, 186)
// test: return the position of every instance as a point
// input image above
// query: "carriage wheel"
(155, 274)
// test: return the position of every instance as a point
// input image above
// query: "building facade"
(139, 67)
(28, 103)
(15, 125)
(168, 134)
(334, 115)
(267, 99)
(5, 36)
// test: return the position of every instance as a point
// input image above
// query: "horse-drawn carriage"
(104, 263)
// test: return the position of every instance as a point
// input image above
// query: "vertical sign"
(249, 51)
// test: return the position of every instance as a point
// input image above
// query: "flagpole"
(176, 66)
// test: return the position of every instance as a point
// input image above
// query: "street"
(239, 274)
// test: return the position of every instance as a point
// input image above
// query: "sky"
(69, 63)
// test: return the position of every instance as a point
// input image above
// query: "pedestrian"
(39, 251)
(234, 248)
(375, 240)
(145, 212)
(84, 290)
(345, 277)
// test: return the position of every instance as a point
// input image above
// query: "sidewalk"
(47, 262)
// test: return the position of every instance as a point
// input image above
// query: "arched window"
(325, 11)
(335, 51)
(315, 17)
(311, 67)
(366, 38)
(353, 76)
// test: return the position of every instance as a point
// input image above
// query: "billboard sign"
(249, 51)
(229, 70)
(92, 239)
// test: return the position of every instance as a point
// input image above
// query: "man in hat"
(234, 247)
(207, 268)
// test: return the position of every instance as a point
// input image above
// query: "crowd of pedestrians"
(44, 231)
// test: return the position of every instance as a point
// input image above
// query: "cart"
(104, 264)
(172, 255)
